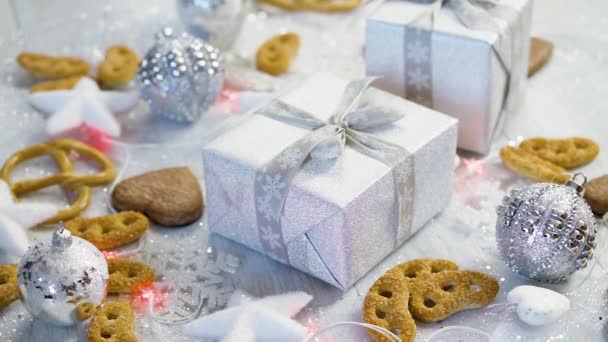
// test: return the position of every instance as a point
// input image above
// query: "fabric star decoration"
(86, 103)
(254, 320)
(16, 217)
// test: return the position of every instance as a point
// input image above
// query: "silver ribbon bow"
(482, 15)
(326, 141)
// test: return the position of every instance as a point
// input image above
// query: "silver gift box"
(468, 80)
(339, 220)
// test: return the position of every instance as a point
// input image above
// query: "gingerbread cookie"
(596, 194)
(126, 275)
(540, 53)
(532, 166)
(567, 153)
(61, 84)
(110, 231)
(437, 296)
(275, 55)
(118, 68)
(9, 288)
(113, 322)
(85, 311)
(50, 67)
(170, 197)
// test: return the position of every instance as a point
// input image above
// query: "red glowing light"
(228, 101)
(147, 297)
(474, 166)
(96, 138)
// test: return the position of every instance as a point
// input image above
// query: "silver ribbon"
(482, 15)
(346, 126)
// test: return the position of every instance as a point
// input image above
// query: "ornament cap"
(62, 238)
(577, 183)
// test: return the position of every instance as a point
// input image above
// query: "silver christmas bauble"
(546, 231)
(180, 77)
(56, 276)
(216, 21)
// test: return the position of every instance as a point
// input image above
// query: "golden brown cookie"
(113, 322)
(567, 153)
(275, 55)
(85, 311)
(126, 275)
(110, 231)
(61, 84)
(330, 6)
(386, 305)
(9, 288)
(50, 67)
(532, 166)
(540, 53)
(437, 296)
(170, 197)
(288, 5)
(596, 194)
(118, 68)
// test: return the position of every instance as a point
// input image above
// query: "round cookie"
(170, 197)
(113, 322)
(9, 287)
(126, 275)
(110, 231)
(596, 194)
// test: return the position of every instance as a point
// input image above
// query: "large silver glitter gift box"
(464, 58)
(335, 199)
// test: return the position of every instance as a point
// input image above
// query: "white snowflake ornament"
(86, 103)
(16, 217)
(257, 320)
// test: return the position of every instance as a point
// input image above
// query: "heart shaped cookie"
(537, 305)
(169, 197)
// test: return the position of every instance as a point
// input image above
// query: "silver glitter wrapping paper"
(468, 81)
(338, 219)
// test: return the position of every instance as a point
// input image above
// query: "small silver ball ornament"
(56, 276)
(180, 77)
(546, 231)
(216, 21)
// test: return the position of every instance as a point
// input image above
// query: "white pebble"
(537, 305)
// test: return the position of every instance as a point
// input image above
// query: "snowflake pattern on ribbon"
(272, 186)
(418, 52)
(289, 158)
(271, 238)
(419, 79)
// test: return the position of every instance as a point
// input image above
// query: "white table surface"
(564, 99)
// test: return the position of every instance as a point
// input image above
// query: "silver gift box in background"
(339, 219)
(466, 79)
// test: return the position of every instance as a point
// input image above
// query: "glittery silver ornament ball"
(180, 77)
(57, 275)
(546, 231)
(216, 21)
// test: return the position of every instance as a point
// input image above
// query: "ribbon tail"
(401, 163)
(272, 183)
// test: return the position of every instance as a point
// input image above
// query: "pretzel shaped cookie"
(9, 288)
(113, 322)
(567, 153)
(110, 231)
(126, 275)
(532, 166)
(59, 151)
(435, 297)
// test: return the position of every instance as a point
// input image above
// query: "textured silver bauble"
(57, 275)
(180, 77)
(546, 231)
(216, 21)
